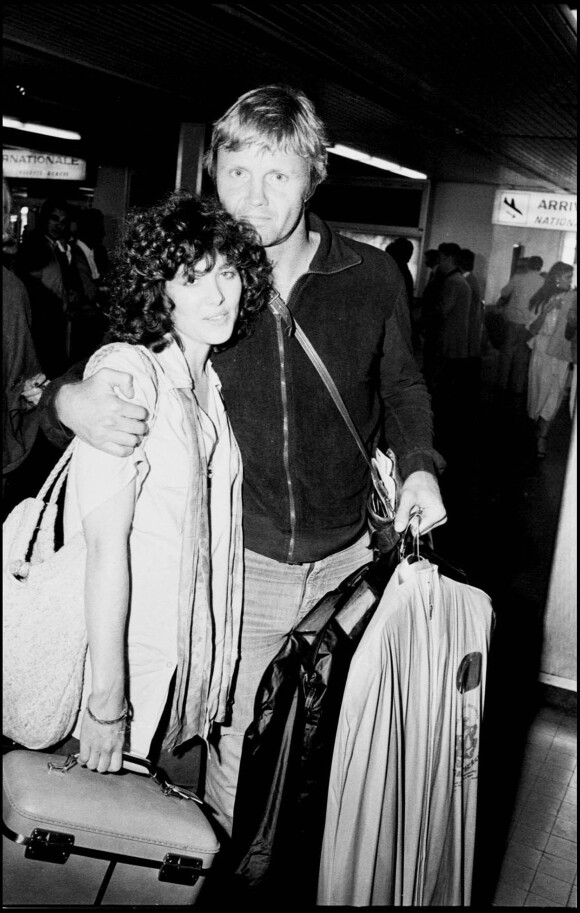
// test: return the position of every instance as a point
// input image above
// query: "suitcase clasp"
(49, 846)
(70, 762)
(180, 869)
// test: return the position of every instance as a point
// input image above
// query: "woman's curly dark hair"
(179, 232)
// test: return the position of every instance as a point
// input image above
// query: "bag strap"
(279, 308)
(57, 475)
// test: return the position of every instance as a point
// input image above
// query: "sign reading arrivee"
(535, 210)
(26, 163)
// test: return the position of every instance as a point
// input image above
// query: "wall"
(558, 664)
(462, 213)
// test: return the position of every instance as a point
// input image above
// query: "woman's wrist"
(107, 705)
(120, 715)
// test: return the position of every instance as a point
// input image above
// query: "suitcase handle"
(167, 788)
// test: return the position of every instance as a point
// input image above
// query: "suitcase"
(74, 836)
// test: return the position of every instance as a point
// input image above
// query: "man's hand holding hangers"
(420, 492)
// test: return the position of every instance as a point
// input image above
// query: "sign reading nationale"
(26, 163)
(557, 211)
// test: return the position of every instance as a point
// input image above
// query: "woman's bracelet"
(118, 719)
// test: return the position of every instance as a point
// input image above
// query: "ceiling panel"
(472, 91)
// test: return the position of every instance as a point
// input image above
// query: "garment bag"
(400, 818)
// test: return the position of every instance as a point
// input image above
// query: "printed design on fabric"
(467, 746)
(469, 672)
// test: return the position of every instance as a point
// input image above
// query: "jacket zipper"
(286, 437)
(285, 427)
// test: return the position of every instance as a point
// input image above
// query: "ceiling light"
(347, 152)
(40, 129)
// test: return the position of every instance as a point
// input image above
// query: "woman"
(571, 334)
(163, 527)
(551, 352)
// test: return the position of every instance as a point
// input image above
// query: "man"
(305, 483)
(62, 292)
(514, 357)
(429, 313)
(450, 344)
(466, 264)
(401, 250)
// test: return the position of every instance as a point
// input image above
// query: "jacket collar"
(333, 254)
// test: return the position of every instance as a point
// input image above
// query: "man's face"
(57, 225)
(446, 263)
(265, 188)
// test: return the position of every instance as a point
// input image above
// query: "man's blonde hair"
(274, 117)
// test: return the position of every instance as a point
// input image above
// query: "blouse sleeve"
(99, 476)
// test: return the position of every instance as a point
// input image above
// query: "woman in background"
(551, 351)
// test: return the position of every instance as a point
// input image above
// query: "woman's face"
(207, 307)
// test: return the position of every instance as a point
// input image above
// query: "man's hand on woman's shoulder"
(95, 410)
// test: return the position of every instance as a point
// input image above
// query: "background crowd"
(54, 302)
(532, 328)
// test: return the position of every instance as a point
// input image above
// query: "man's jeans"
(277, 596)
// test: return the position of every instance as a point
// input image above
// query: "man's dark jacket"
(305, 481)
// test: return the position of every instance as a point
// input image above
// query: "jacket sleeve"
(19, 362)
(57, 434)
(408, 419)
(455, 295)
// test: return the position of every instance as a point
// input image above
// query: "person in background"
(571, 334)
(62, 293)
(401, 250)
(22, 377)
(431, 260)
(90, 231)
(449, 373)
(305, 481)
(428, 317)
(466, 264)
(89, 236)
(163, 527)
(551, 349)
(514, 356)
